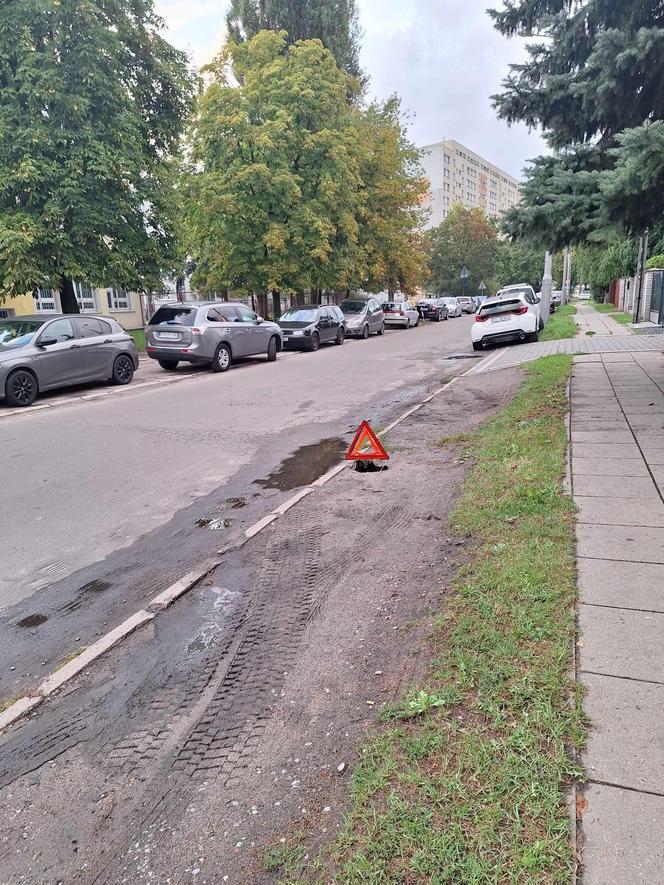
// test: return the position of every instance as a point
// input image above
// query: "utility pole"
(567, 275)
(640, 274)
(547, 286)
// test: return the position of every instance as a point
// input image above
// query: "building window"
(46, 300)
(446, 173)
(85, 296)
(118, 299)
(7, 313)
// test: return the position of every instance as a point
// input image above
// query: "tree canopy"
(294, 187)
(465, 237)
(334, 22)
(92, 105)
(593, 83)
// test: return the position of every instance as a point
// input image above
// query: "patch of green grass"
(560, 325)
(466, 782)
(605, 308)
(139, 338)
(623, 318)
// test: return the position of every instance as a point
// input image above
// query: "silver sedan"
(43, 352)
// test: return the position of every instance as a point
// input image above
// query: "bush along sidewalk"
(467, 779)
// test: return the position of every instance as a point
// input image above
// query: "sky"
(442, 57)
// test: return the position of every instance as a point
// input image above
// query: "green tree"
(519, 263)
(393, 251)
(92, 105)
(465, 237)
(276, 180)
(598, 265)
(593, 84)
(335, 22)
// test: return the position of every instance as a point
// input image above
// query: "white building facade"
(458, 175)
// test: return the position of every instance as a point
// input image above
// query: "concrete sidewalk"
(589, 319)
(617, 460)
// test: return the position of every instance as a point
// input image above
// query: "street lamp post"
(465, 273)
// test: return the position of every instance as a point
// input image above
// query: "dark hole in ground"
(32, 621)
(464, 356)
(305, 465)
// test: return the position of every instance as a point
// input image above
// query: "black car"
(433, 309)
(309, 326)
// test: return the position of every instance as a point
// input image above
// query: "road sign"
(366, 446)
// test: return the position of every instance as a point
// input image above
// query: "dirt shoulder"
(201, 749)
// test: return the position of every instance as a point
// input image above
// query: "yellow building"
(122, 306)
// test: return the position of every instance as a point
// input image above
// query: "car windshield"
(501, 307)
(353, 306)
(512, 293)
(449, 301)
(17, 333)
(392, 305)
(300, 315)
(182, 316)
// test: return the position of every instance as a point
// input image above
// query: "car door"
(62, 360)
(328, 325)
(222, 323)
(97, 345)
(375, 315)
(254, 338)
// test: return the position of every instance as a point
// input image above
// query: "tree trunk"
(262, 304)
(276, 304)
(68, 302)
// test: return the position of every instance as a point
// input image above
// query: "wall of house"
(129, 317)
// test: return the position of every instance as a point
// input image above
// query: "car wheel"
(438, 318)
(123, 369)
(314, 344)
(222, 358)
(168, 365)
(541, 324)
(341, 336)
(365, 332)
(477, 345)
(534, 336)
(21, 388)
(272, 350)
(380, 331)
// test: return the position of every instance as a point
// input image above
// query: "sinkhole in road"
(305, 465)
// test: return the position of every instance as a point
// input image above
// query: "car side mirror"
(259, 320)
(46, 342)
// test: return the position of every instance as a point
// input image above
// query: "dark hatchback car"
(309, 326)
(44, 352)
(433, 309)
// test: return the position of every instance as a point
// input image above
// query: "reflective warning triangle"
(366, 446)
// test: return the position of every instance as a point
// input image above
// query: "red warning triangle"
(366, 446)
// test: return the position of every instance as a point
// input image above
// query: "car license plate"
(502, 319)
(169, 335)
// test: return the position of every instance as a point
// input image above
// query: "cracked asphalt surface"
(218, 729)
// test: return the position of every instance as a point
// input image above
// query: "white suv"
(507, 317)
(532, 300)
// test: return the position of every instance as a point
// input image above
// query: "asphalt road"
(108, 500)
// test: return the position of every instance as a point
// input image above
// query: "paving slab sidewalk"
(618, 485)
(588, 319)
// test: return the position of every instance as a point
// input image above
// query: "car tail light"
(401, 313)
(196, 331)
(520, 311)
(481, 319)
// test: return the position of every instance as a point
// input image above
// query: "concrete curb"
(171, 594)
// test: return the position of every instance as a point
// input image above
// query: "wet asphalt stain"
(305, 465)
(33, 621)
(212, 523)
(95, 586)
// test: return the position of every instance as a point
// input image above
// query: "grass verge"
(560, 325)
(466, 780)
(623, 318)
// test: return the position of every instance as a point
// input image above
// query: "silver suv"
(213, 333)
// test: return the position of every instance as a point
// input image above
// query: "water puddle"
(305, 465)
(213, 523)
(464, 356)
(33, 621)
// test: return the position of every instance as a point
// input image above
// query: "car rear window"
(510, 293)
(183, 316)
(502, 307)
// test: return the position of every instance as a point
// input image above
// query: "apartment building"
(458, 175)
(123, 306)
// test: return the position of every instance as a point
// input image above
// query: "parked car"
(433, 309)
(400, 313)
(467, 304)
(44, 352)
(364, 316)
(557, 298)
(584, 295)
(210, 333)
(532, 300)
(453, 305)
(500, 320)
(311, 325)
